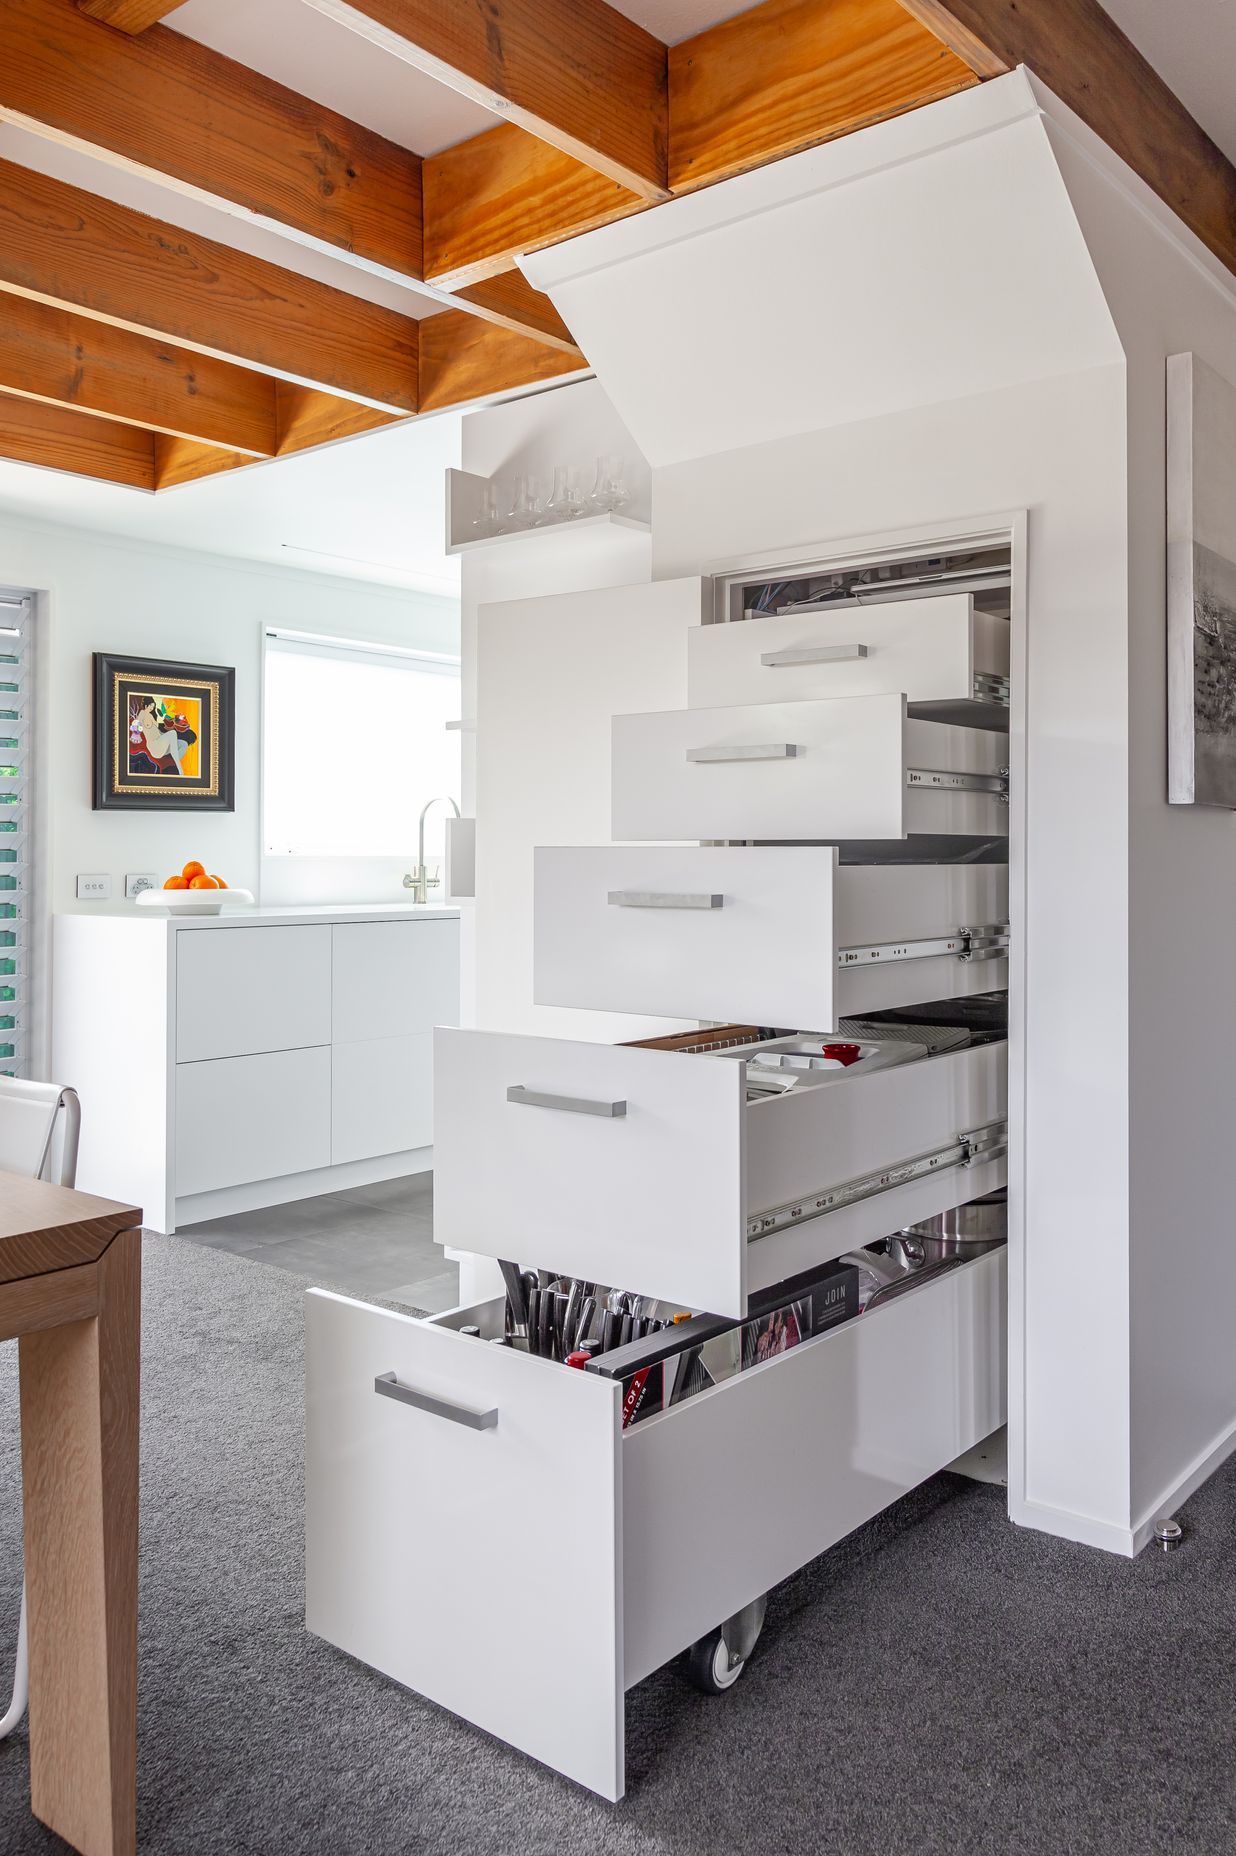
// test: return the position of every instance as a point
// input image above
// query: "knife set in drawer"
(694, 1355)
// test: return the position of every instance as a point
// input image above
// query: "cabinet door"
(393, 979)
(241, 990)
(244, 1118)
(381, 1097)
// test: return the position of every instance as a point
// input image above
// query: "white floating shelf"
(607, 520)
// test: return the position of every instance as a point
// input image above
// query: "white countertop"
(287, 915)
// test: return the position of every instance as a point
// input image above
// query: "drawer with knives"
(568, 1556)
(708, 1172)
(942, 652)
(850, 768)
(769, 934)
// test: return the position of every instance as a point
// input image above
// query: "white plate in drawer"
(763, 935)
(852, 768)
(647, 1169)
(652, 1547)
(935, 650)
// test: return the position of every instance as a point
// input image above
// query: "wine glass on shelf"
(526, 510)
(566, 500)
(485, 521)
(609, 492)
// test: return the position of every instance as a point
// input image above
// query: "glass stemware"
(526, 510)
(566, 500)
(609, 492)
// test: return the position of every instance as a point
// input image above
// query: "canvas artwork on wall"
(1201, 584)
(163, 735)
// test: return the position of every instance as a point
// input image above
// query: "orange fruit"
(192, 870)
(202, 882)
(219, 883)
(176, 882)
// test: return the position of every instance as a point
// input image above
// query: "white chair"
(35, 1141)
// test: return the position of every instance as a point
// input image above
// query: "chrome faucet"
(419, 880)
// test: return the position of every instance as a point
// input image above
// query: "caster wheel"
(711, 1667)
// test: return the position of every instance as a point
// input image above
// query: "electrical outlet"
(93, 888)
(143, 880)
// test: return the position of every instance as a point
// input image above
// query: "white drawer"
(240, 990)
(650, 1170)
(765, 935)
(934, 650)
(852, 769)
(244, 1118)
(393, 979)
(381, 1097)
(652, 1547)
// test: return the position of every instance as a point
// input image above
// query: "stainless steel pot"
(966, 1231)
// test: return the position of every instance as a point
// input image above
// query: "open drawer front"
(769, 935)
(480, 1528)
(951, 661)
(854, 769)
(650, 1169)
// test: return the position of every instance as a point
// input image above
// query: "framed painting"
(1201, 585)
(164, 735)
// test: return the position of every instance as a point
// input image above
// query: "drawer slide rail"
(986, 1143)
(987, 943)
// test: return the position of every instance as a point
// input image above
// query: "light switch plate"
(139, 881)
(94, 888)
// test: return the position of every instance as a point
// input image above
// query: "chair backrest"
(28, 1113)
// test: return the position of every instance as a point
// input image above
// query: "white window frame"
(344, 649)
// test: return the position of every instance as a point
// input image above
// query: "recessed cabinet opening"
(985, 572)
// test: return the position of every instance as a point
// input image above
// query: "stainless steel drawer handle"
(814, 654)
(387, 1386)
(574, 1105)
(770, 750)
(661, 899)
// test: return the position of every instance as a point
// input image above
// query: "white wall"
(1169, 296)
(141, 599)
(569, 425)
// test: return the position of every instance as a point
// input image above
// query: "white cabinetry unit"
(844, 937)
(240, 1060)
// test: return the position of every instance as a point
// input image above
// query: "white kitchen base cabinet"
(254, 1057)
(449, 1480)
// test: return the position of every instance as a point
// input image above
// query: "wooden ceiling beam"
(511, 302)
(64, 246)
(129, 15)
(577, 74)
(1081, 54)
(791, 74)
(464, 360)
(778, 78)
(58, 438)
(163, 105)
(66, 359)
(503, 192)
(305, 419)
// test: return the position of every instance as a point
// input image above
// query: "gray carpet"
(940, 1682)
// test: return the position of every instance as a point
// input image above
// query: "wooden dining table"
(70, 1292)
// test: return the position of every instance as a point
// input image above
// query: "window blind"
(16, 718)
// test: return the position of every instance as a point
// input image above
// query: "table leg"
(79, 1421)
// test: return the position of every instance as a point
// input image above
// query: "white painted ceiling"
(1192, 45)
(367, 509)
(1191, 42)
(372, 508)
(302, 48)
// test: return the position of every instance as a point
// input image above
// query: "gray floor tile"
(375, 1239)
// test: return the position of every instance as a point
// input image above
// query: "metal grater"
(934, 1038)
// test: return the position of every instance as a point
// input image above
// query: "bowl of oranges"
(193, 891)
